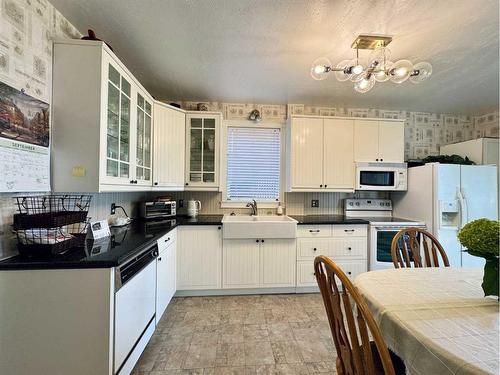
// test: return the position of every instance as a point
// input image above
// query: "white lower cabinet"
(346, 245)
(166, 265)
(251, 263)
(277, 263)
(240, 267)
(199, 257)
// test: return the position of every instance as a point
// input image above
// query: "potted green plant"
(481, 238)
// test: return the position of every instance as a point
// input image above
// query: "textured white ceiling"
(261, 50)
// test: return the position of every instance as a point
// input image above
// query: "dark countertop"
(124, 243)
(327, 219)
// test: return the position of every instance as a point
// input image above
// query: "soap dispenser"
(279, 210)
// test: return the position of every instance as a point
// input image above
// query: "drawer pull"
(315, 249)
(348, 272)
(314, 230)
(349, 230)
(168, 239)
(159, 259)
(349, 248)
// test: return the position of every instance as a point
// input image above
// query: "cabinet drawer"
(167, 239)
(355, 247)
(314, 231)
(312, 247)
(350, 230)
(306, 277)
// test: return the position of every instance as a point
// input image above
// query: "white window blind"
(253, 164)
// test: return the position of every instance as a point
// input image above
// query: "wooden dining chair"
(351, 324)
(417, 247)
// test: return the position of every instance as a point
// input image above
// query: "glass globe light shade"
(356, 70)
(340, 75)
(424, 70)
(382, 71)
(381, 55)
(400, 71)
(320, 68)
(365, 84)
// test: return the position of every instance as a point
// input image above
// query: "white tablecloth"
(436, 319)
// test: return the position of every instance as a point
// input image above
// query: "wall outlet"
(314, 202)
(113, 208)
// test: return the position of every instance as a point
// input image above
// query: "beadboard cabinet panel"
(366, 140)
(338, 154)
(391, 141)
(169, 147)
(240, 264)
(199, 257)
(307, 153)
(277, 262)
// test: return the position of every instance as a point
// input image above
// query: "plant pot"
(490, 278)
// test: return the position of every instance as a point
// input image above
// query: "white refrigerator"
(446, 197)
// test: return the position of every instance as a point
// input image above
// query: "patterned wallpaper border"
(424, 131)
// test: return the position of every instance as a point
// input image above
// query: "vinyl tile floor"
(258, 334)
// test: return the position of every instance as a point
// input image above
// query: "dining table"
(437, 320)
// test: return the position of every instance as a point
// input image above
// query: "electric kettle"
(193, 208)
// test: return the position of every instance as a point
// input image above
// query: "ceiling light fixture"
(380, 68)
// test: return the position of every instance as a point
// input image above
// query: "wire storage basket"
(51, 224)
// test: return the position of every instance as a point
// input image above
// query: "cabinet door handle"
(320, 185)
(381, 159)
(256, 240)
(187, 184)
(314, 273)
(348, 272)
(131, 181)
(314, 230)
(348, 230)
(349, 249)
(315, 249)
(156, 183)
(326, 185)
(376, 159)
(219, 228)
(159, 259)
(262, 240)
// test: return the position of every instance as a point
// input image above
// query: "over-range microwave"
(381, 176)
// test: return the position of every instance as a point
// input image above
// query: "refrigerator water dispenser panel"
(449, 214)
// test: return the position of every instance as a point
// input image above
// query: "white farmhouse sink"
(244, 226)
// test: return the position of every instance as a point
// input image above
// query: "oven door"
(376, 179)
(380, 245)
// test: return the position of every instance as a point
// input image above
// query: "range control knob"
(357, 203)
(388, 204)
(381, 203)
(351, 204)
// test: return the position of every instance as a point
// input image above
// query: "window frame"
(223, 161)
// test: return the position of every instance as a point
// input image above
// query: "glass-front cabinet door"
(118, 132)
(143, 173)
(202, 150)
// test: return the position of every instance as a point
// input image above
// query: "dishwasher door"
(134, 310)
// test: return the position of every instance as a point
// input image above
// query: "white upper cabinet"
(202, 150)
(102, 122)
(306, 153)
(378, 140)
(320, 154)
(391, 141)
(169, 147)
(338, 160)
(366, 140)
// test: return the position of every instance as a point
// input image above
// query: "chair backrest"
(418, 247)
(350, 330)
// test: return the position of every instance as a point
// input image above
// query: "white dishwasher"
(135, 297)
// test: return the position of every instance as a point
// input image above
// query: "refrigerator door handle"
(463, 208)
